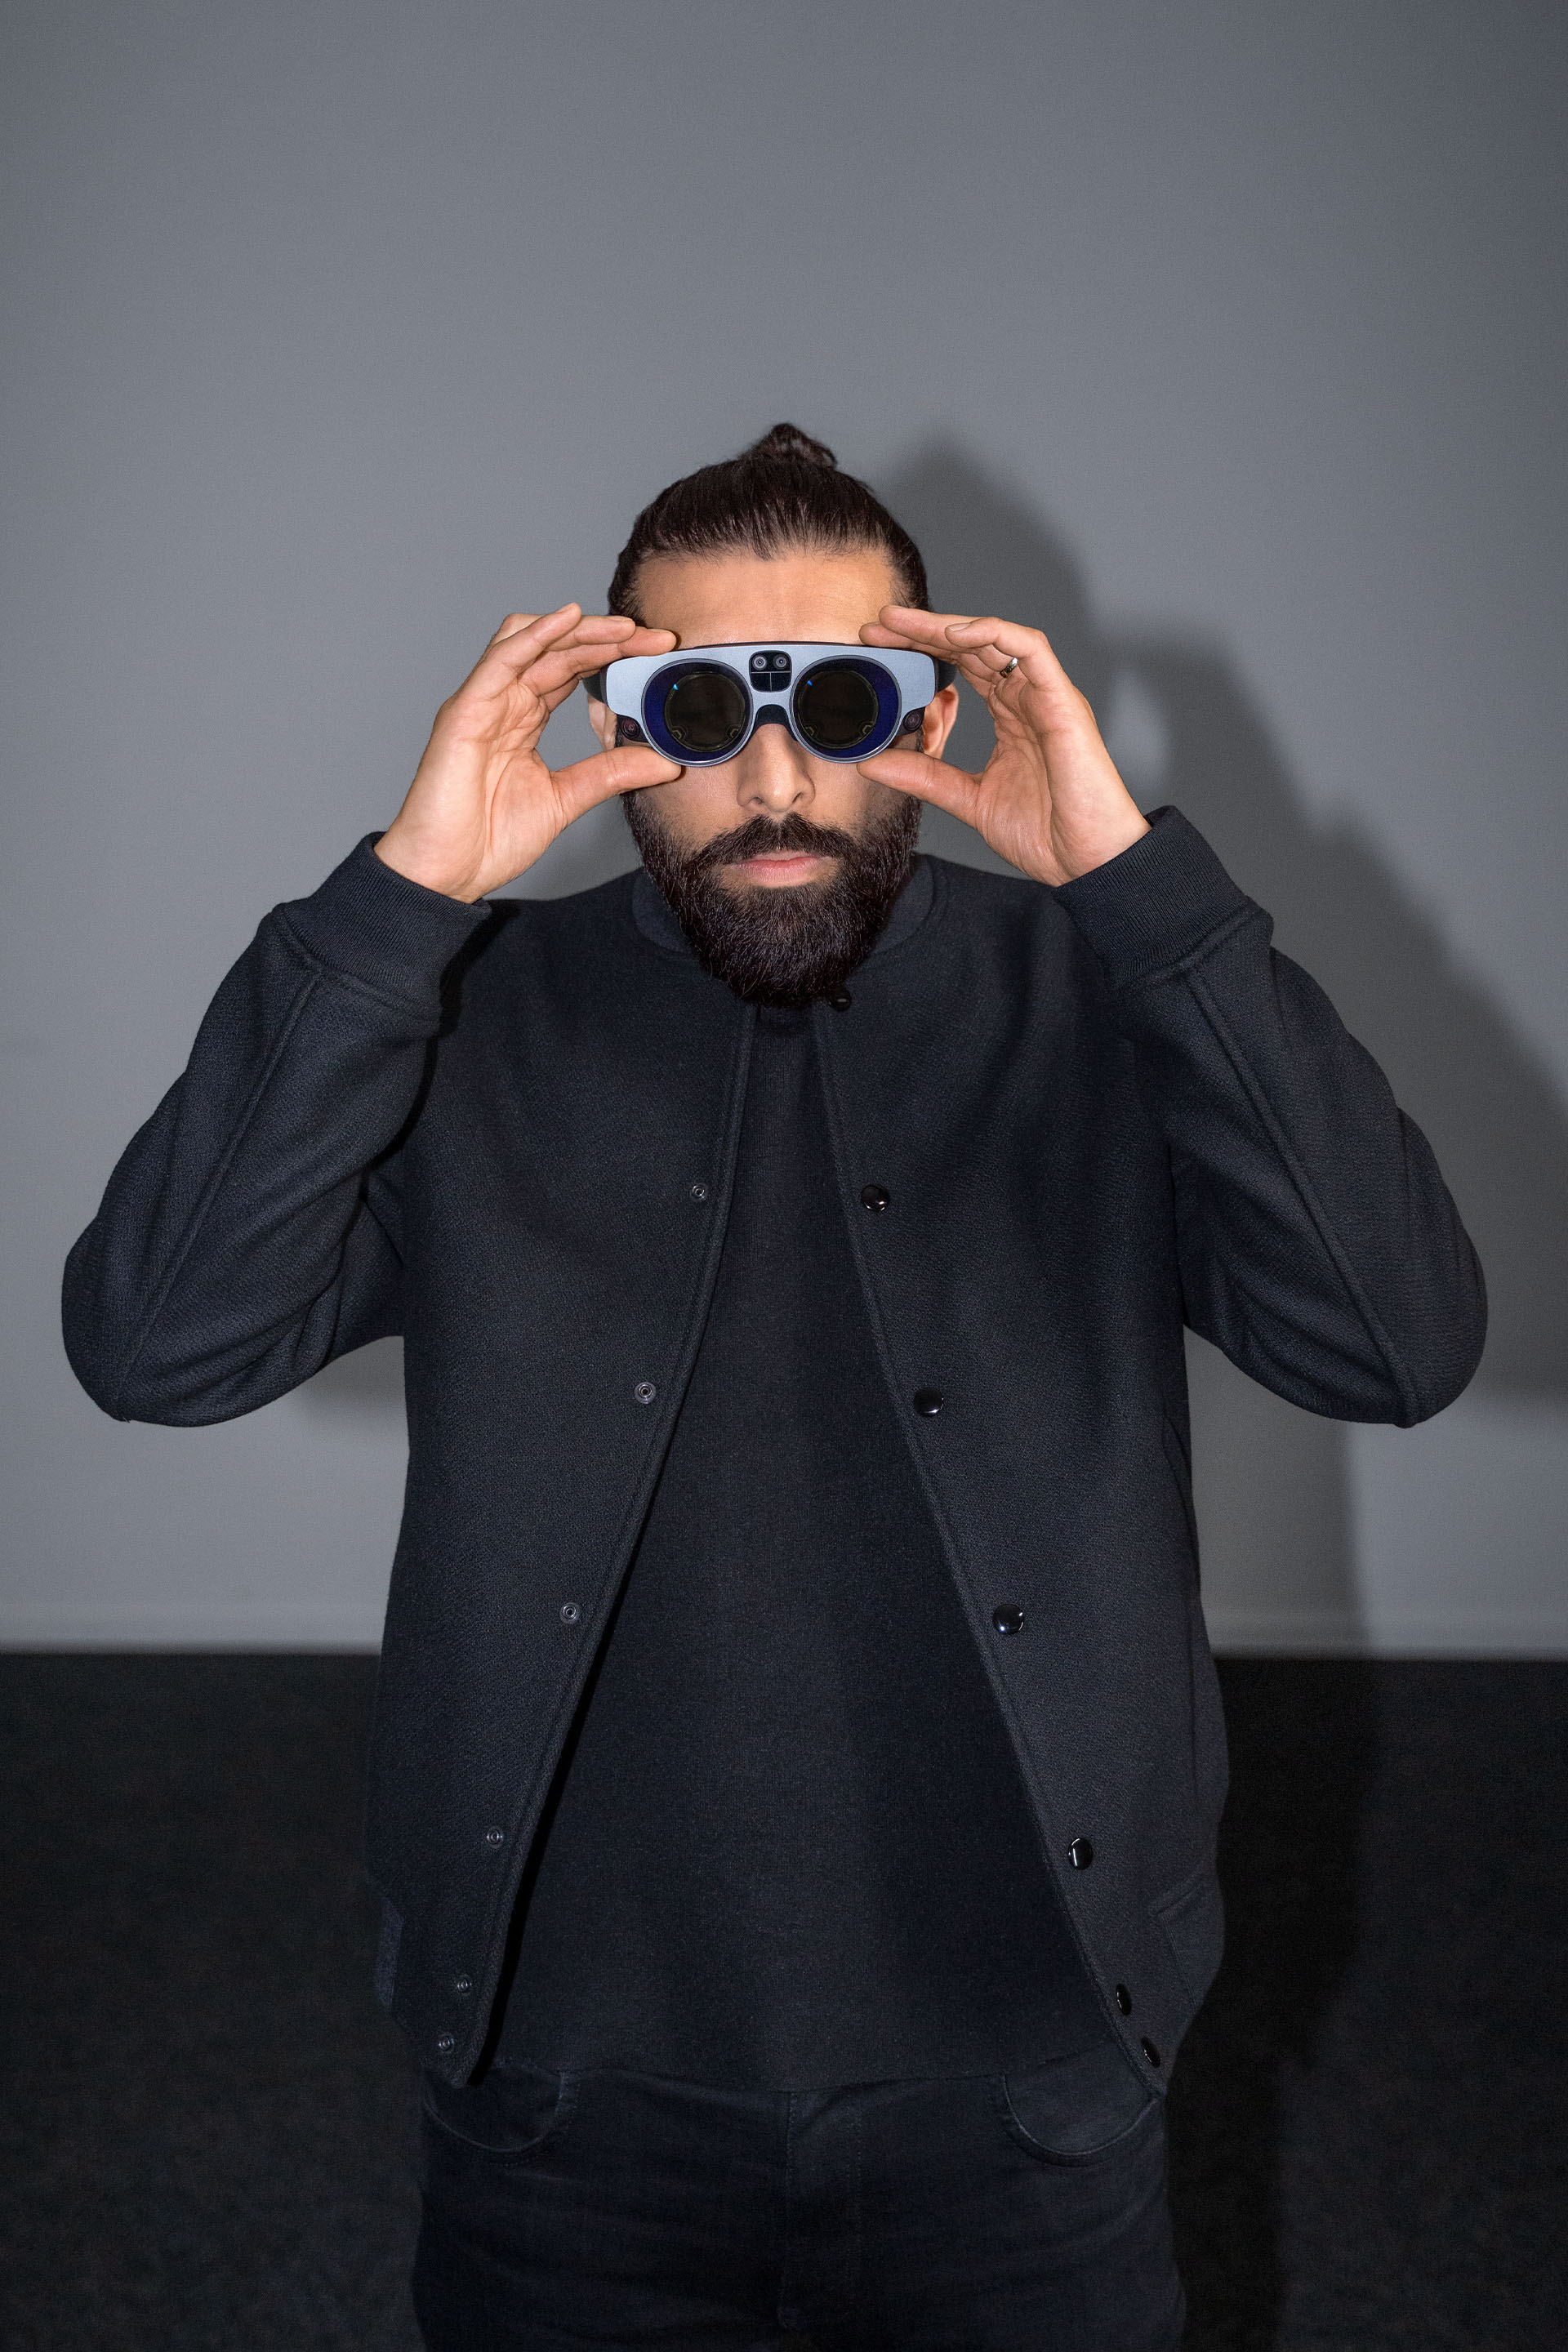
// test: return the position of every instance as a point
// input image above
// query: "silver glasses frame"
(623, 684)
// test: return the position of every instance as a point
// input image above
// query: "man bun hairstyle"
(785, 492)
(789, 441)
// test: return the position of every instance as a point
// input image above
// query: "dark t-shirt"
(788, 1846)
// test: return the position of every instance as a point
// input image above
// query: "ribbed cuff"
(1155, 903)
(378, 928)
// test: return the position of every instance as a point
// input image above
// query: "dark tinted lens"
(706, 712)
(835, 707)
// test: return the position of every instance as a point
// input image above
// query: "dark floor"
(208, 2124)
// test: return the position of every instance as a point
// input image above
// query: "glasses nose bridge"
(771, 671)
(773, 775)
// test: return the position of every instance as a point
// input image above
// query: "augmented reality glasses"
(703, 704)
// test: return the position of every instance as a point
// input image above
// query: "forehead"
(737, 598)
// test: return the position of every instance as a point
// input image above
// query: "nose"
(773, 774)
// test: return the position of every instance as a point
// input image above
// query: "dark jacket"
(508, 1133)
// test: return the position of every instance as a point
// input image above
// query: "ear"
(602, 719)
(942, 713)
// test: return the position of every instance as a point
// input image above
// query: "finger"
(643, 641)
(603, 637)
(931, 632)
(521, 632)
(551, 696)
(990, 673)
(925, 779)
(575, 658)
(934, 632)
(586, 643)
(589, 627)
(982, 671)
(516, 623)
(629, 768)
(982, 647)
(602, 628)
(513, 648)
(558, 673)
(511, 625)
(1005, 640)
(908, 624)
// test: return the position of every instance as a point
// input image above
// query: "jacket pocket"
(1076, 2110)
(1192, 1916)
(512, 2112)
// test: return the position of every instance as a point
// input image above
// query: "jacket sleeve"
(250, 1230)
(1319, 1245)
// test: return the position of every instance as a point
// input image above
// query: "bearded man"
(797, 1757)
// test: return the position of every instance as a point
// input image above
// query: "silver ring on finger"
(1008, 667)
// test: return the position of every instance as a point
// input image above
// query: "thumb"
(629, 768)
(953, 789)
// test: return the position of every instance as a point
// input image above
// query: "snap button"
(1124, 2001)
(644, 1393)
(699, 1192)
(495, 1837)
(927, 1401)
(1080, 1853)
(1150, 2051)
(462, 1986)
(446, 2043)
(1009, 1618)
(874, 1196)
(570, 1612)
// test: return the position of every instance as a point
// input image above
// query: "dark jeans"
(989, 2213)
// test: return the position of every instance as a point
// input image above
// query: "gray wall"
(1224, 342)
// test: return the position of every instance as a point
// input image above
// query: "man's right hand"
(483, 806)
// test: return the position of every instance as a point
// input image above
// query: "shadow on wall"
(1274, 1482)
(1274, 1490)
(1182, 729)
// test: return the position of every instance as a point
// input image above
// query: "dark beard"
(788, 945)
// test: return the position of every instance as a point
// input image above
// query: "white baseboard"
(192, 1628)
(1335, 1634)
(1238, 1632)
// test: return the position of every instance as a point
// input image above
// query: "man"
(797, 1759)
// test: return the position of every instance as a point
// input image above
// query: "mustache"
(760, 834)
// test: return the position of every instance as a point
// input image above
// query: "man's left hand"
(1049, 799)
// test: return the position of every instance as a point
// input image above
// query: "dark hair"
(784, 491)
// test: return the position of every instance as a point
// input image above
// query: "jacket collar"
(656, 921)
